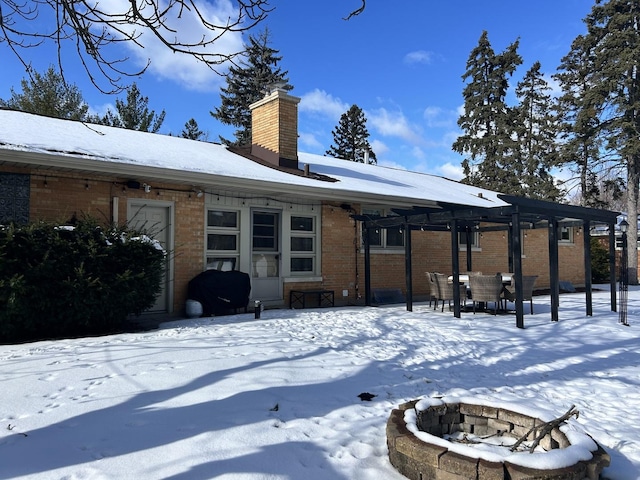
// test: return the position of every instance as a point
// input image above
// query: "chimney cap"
(274, 86)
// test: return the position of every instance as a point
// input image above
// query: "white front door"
(266, 283)
(154, 218)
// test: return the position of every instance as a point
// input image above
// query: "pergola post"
(407, 265)
(367, 265)
(510, 249)
(455, 263)
(554, 279)
(586, 228)
(516, 250)
(469, 262)
(612, 266)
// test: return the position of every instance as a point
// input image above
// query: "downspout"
(356, 249)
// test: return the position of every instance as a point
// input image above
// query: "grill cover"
(220, 292)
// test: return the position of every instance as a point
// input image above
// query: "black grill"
(220, 293)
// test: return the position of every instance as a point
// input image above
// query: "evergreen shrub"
(599, 262)
(66, 281)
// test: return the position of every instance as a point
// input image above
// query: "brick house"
(284, 217)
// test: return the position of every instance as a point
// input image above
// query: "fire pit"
(459, 438)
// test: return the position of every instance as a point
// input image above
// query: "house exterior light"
(624, 225)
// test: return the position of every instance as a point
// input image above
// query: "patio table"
(506, 279)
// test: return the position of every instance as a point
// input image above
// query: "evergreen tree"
(192, 131)
(49, 95)
(612, 44)
(246, 84)
(133, 114)
(537, 130)
(487, 122)
(580, 129)
(350, 137)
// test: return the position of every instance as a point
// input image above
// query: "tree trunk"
(633, 189)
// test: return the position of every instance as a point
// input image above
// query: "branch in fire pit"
(545, 428)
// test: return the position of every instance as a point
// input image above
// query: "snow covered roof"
(55, 143)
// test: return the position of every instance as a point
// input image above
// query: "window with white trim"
(565, 234)
(223, 239)
(475, 239)
(303, 245)
(383, 238)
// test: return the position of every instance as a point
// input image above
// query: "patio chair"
(433, 288)
(445, 290)
(528, 282)
(485, 289)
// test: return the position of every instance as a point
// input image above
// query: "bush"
(599, 262)
(72, 281)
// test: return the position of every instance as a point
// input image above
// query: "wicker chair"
(445, 290)
(433, 288)
(485, 289)
(528, 282)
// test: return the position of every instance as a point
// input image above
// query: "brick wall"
(431, 252)
(58, 197)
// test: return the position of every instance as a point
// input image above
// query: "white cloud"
(451, 171)
(556, 88)
(182, 68)
(418, 153)
(310, 141)
(379, 147)
(450, 137)
(322, 103)
(102, 109)
(419, 56)
(394, 124)
(437, 117)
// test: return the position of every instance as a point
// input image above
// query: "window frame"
(570, 240)
(303, 234)
(475, 240)
(220, 259)
(383, 245)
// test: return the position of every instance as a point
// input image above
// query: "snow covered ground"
(277, 398)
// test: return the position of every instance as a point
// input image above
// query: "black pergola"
(519, 214)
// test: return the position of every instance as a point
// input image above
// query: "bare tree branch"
(96, 29)
(357, 11)
(544, 429)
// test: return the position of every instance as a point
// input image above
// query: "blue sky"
(401, 62)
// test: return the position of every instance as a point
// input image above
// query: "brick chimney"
(274, 128)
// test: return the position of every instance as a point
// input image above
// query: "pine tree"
(580, 129)
(49, 95)
(133, 114)
(537, 130)
(350, 137)
(487, 121)
(612, 43)
(192, 131)
(246, 84)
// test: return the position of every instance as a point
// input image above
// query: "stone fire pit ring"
(418, 448)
